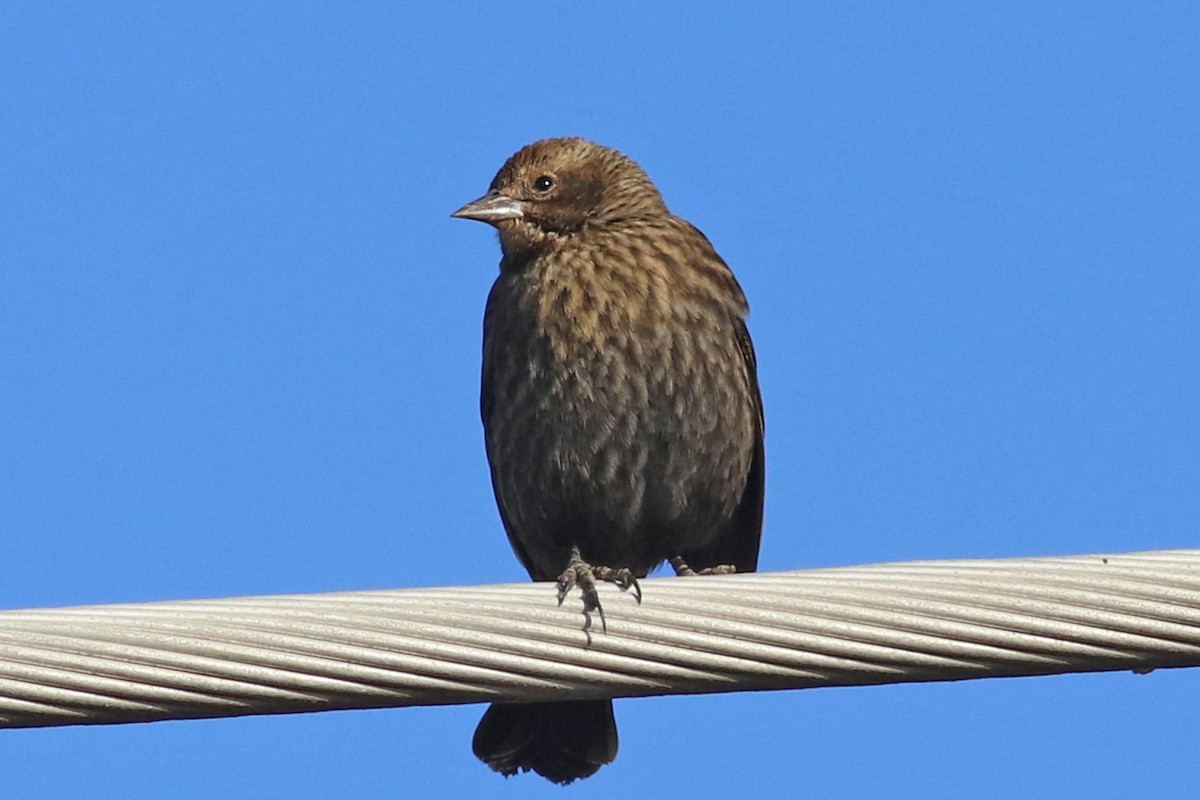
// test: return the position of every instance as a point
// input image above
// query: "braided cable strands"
(885, 623)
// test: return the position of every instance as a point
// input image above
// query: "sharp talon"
(591, 599)
(584, 575)
(566, 582)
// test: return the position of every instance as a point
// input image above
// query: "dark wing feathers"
(738, 544)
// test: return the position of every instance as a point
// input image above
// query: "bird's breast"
(620, 404)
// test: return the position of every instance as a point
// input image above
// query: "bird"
(622, 416)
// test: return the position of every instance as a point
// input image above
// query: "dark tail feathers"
(559, 741)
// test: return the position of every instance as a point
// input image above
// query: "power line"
(885, 623)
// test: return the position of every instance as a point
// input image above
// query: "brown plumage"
(620, 404)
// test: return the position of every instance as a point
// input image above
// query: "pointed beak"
(491, 208)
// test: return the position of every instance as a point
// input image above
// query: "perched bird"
(620, 405)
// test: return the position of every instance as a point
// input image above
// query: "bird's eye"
(543, 183)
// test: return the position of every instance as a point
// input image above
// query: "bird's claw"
(683, 570)
(584, 575)
(622, 577)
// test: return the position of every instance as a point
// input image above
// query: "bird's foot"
(683, 570)
(584, 575)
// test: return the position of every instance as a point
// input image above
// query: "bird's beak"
(492, 208)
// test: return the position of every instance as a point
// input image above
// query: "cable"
(886, 623)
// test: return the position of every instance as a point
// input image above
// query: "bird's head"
(557, 187)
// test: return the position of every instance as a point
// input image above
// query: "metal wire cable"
(886, 623)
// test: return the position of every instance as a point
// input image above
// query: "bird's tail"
(559, 741)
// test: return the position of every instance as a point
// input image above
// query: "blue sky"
(239, 346)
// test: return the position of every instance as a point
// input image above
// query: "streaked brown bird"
(620, 404)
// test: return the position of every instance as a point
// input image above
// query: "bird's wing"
(487, 407)
(738, 543)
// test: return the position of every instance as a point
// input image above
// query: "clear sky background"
(240, 334)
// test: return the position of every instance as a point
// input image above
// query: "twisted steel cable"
(886, 623)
